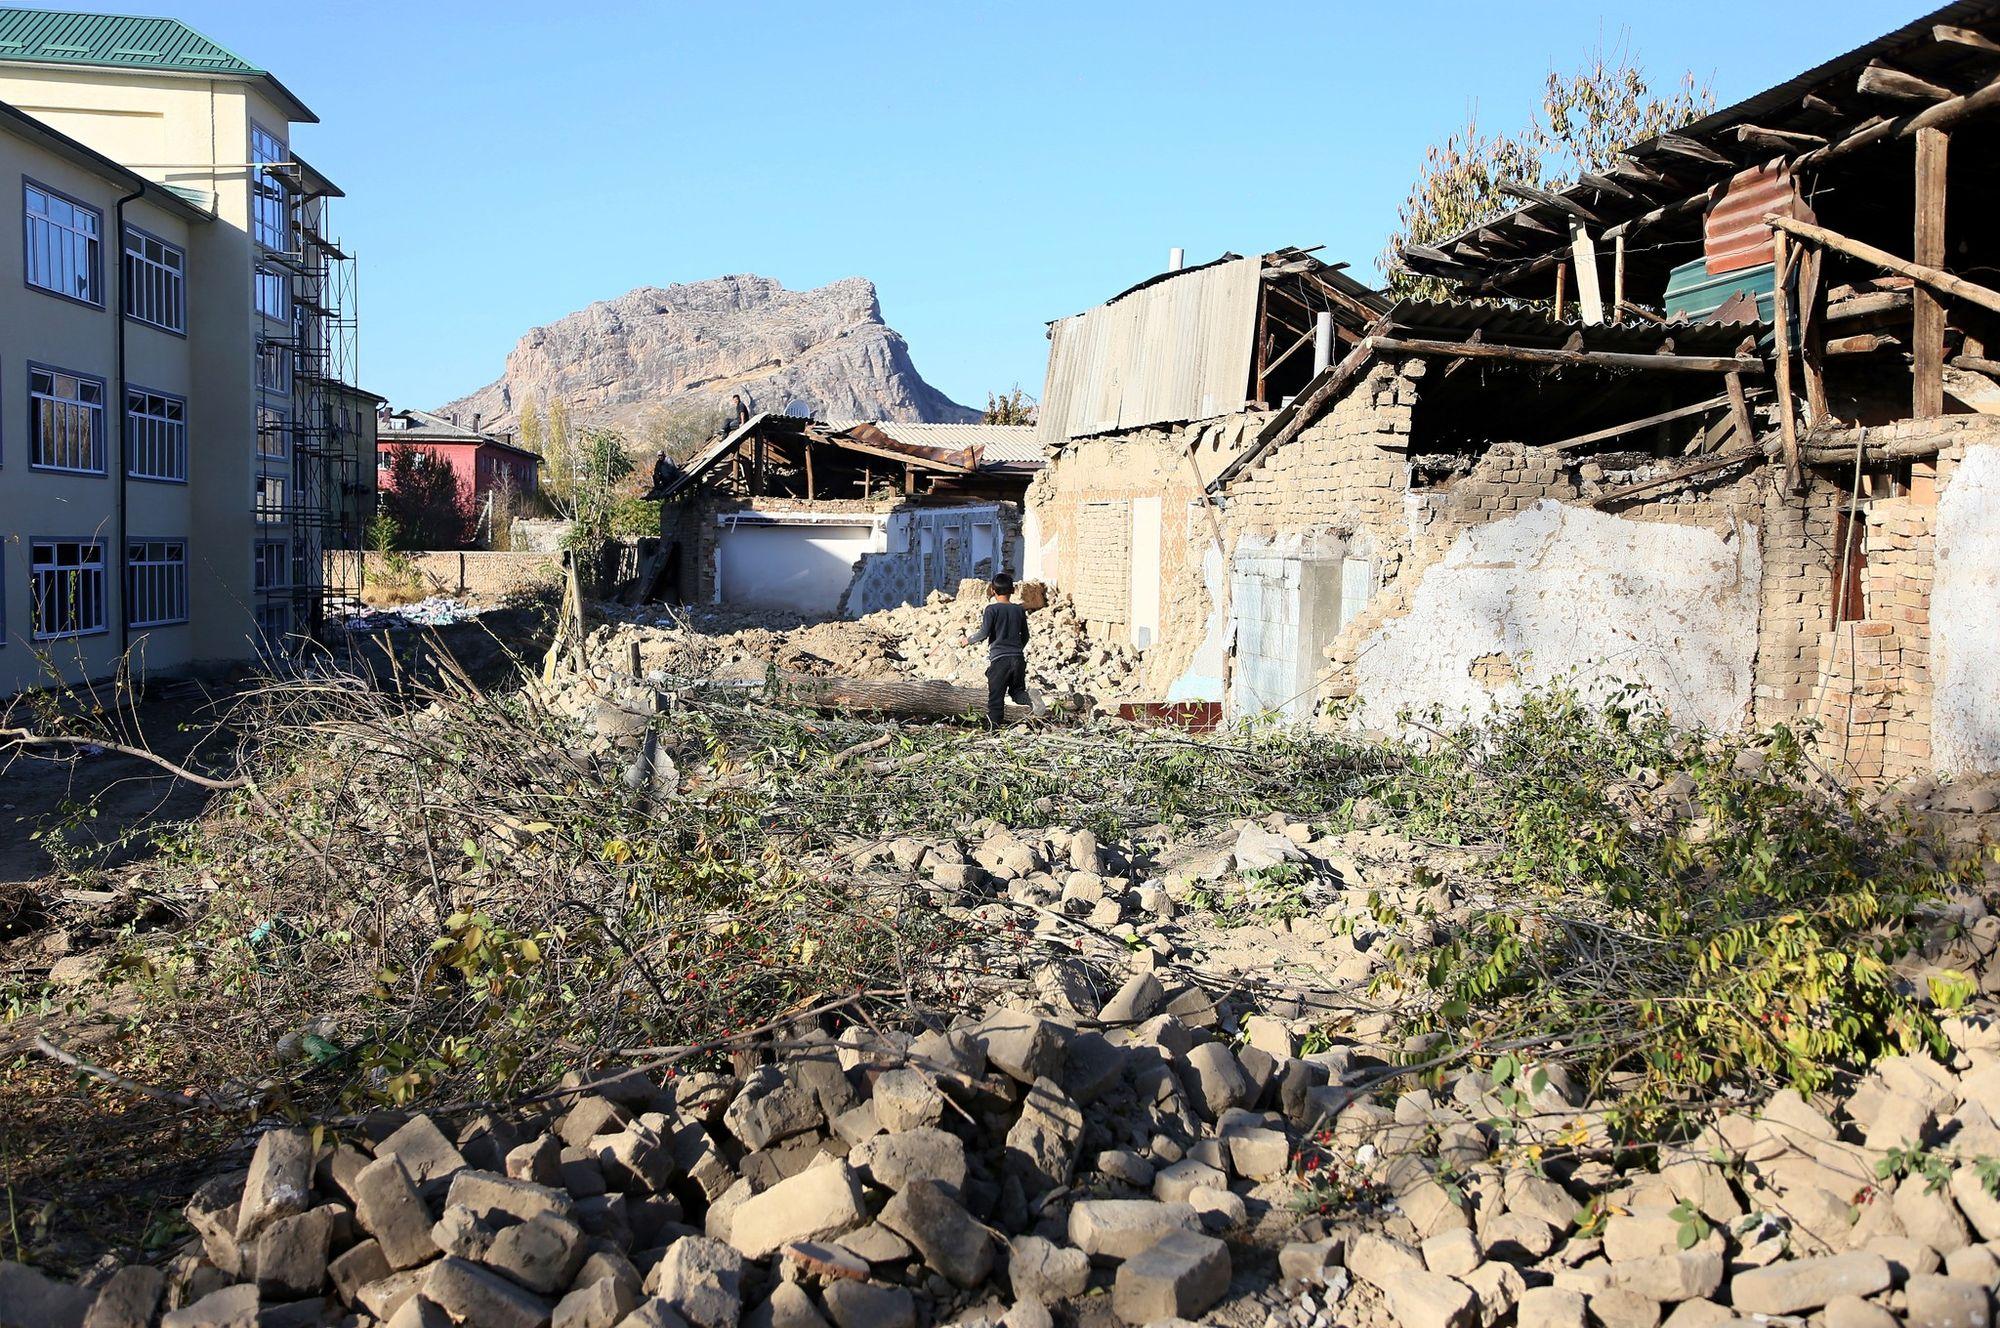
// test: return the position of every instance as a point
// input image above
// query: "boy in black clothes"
(1004, 628)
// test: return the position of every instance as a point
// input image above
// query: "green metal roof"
(119, 41)
(129, 41)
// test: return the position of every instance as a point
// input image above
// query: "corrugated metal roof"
(1177, 350)
(122, 41)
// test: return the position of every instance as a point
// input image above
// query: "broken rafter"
(1785, 140)
(1864, 343)
(1692, 150)
(1287, 423)
(1599, 435)
(1604, 184)
(1601, 359)
(1532, 194)
(1983, 296)
(1882, 80)
(1945, 32)
(1694, 471)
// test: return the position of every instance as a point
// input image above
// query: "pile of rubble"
(916, 641)
(1135, 1130)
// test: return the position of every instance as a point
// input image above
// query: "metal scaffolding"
(320, 508)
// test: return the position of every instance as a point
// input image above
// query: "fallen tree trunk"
(918, 697)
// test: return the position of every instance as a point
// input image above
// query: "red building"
(483, 462)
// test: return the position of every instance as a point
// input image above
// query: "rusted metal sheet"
(1734, 235)
(1175, 349)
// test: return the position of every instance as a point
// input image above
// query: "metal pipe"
(123, 418)
(1322, 342)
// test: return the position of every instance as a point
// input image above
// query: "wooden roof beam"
(1602, 359)
(1682, 146)
(1605, 185)
(1881, 80)
(1532, 194)
(1946, 33)
(1784, 140)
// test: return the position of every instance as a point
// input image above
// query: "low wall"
(473, 573)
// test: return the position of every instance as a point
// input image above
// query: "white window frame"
(41, 400)
(279, 359)
(156, 435)
(269, 509)
(283, 418)
(156, 582)
(278, 285)
(277, 552)
(270, 200)
(54, 560)
(154, 288)
(64, 238)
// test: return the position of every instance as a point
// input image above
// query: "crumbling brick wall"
(1872, 691)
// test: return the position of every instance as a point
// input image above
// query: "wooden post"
(1783, 317)
(1739, 411)
(1562, 288)
(1927, 314)
(757, 475)
(1781, 314)
(1263, 337)
(810, 495)
(1618, 278)
(909, 480)
(1812, 335)
(1589, 297)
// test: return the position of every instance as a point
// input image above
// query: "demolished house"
(843, 518)
(1149, 396)
(1736, 451)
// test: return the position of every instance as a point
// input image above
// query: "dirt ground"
(39, 791)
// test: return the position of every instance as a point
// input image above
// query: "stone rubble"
(1137, 1134)
(914, 641)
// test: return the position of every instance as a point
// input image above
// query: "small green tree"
(1014, 407)
(1586, 118)
(603, 464)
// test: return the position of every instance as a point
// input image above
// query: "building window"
(270, 498)
(156, 435)
(274, 564)
(270, 201)
(156, 584)
(66, 588)
(274, 367)
(381, 458)
(63, 254)
(274, 295)
(65, 421)
(273, 428)
(155, 285)
(273, 622)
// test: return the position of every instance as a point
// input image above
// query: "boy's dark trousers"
(1006, 677)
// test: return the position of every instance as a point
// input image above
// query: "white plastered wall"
(1965, 617)
(1564, 593)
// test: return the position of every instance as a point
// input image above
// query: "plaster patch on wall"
(1202, 679)
(1562, 592)
(1965, 631)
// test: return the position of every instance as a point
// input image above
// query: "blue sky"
(989, 166)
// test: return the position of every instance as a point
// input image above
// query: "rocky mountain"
(625, 363)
